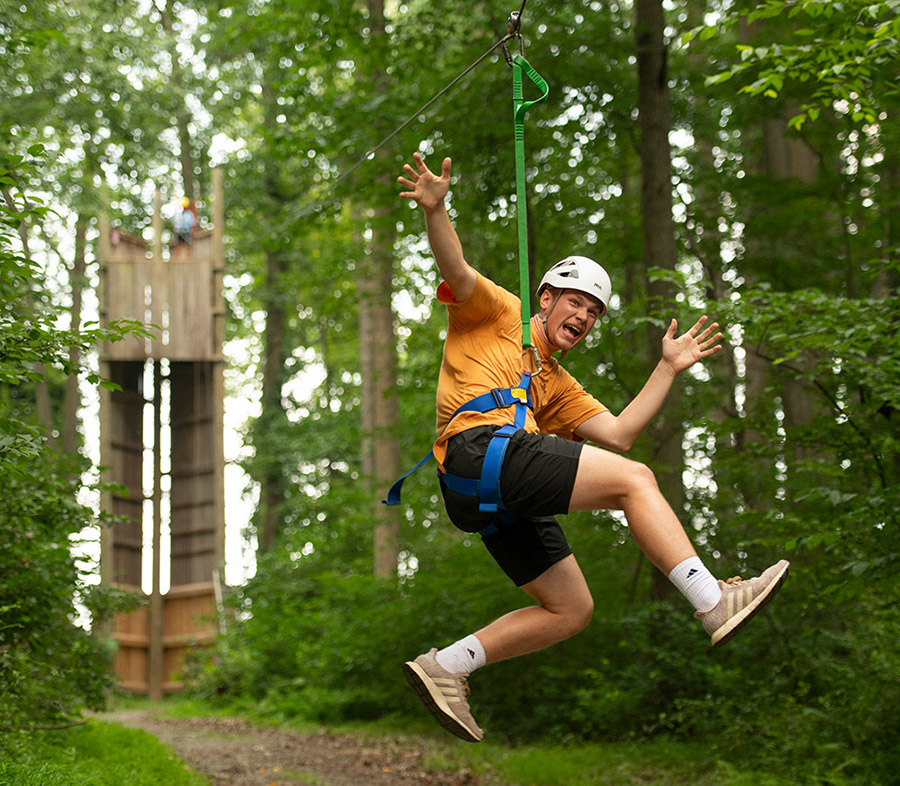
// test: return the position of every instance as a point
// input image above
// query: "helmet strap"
(545, 317)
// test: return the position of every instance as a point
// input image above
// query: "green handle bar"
(520, 107)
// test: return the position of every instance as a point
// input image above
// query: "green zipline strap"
(520, 106)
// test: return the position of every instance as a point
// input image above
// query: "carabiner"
(537, 361)
(514, 30)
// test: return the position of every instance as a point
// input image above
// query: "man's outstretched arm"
(429, 192)
(620, 432)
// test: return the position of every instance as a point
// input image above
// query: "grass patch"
(179, 707)
(98, 754)
(607, 764)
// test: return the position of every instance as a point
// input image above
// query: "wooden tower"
(172, 382)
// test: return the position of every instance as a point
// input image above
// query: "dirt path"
(231, 752)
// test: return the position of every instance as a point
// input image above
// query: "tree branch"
(44, 727)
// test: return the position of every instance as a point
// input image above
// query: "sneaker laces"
(465, 687)
(734, 581)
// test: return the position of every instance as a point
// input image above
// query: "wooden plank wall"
(191, 623)
(194, 467)
(131, 633)
(124, 457)
(173, 296)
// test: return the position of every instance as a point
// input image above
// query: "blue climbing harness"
(487, 487)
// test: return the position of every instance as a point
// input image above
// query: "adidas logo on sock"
(691, 572)
(471, 652)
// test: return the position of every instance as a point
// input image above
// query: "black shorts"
(536, 483)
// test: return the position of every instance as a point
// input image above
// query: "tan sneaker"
(446, 695)
(740, 602)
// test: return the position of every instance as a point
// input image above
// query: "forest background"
(734, 158)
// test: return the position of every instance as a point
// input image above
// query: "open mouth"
(571, 331)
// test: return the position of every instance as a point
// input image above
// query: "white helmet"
(582, 274)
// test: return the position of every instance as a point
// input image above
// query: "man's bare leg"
(604, 481)
(565, 609)
(608, 481)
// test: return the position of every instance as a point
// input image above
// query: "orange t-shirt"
(483, 351)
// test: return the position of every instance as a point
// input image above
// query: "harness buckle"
(516, 394)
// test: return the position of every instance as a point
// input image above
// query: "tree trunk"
(378, 349)
(705, 240)
(784, 158)
(378, 364)
(658, 233)
(271, 493)
(72, 398)
(781, 158)
(888, 280)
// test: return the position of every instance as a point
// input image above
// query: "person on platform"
(185, 221)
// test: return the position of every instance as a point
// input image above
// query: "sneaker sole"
(731, 628)
(434, 700)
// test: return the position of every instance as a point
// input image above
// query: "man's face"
(571, 318)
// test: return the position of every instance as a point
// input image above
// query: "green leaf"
(718, 79)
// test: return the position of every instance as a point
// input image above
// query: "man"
(541, 475)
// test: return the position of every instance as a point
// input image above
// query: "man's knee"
(607, 480)
(579, 613)
(643, 478)
(585, 612)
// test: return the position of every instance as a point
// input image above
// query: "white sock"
(463, 657)
(696, 583)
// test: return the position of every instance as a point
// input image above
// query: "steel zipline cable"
(311, 205)
(449, 86)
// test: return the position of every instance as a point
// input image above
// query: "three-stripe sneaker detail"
(741, 600)
(445, 695)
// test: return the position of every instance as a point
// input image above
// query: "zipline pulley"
(513, 30)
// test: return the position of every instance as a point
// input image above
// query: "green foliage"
(99, 754)
(656, 764)
(307, 650)
(49, 666)
(831, 51)
(841, 460)
(30, 339)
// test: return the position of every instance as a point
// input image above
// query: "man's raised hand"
(423, 186)
(696, 344)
